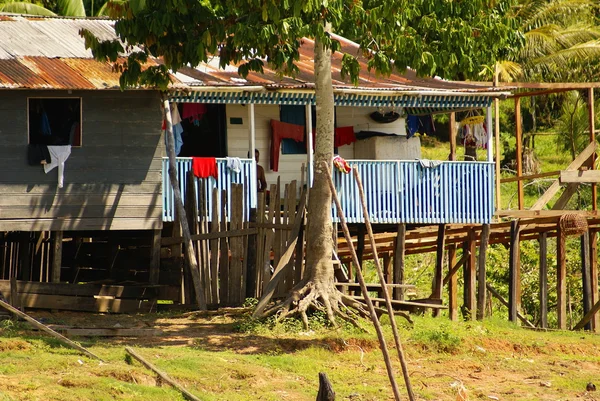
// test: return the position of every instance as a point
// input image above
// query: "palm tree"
(71, 8)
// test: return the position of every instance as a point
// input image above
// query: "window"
(54, 121)
(293, 115)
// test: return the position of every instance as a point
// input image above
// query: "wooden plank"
(80, 224)
(555, 187)
(592, 131)
(506, 303)
(224, 255)
(404, 303)
(543, 241)
(565, 197)
(236, 243)
(438, 277)
(48, 330)
(586, 276)
(81, 304)
(155, 259)
(57, 239)
(300, 252)
(278, 235)
(514, 269)
(452, 137)
(260, 240)
(203, 245)
(588, 316)
(282, 287)
(266, 263)
(452, 285)
(375, 286)
(481, 271)
(530, 177)
(82, 290)
(166, 378)
(214, 249)
(290, 217)
(399, 249)
(457, 266)
(579, 176)
(561, 280)
(471, 277)
(530, 214)
(168, 241)
(594, 275)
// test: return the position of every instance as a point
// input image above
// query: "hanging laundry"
(426, 163)
(175, 117)
(193, 112)
(45, 125)
(421, 124)
(59, 155)
(343, 136)
(204, 167)
(473, 132)
(279, 131)
(38, 154)
(234, 164)
(341, 164)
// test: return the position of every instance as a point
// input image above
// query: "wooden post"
(592, 125)
(57, 240)
(360, 250)
(470, 277)
(519, 138)
(543, 240)
(586, 279)
(191, 261)
(251, 257)
(452, 156)
(481, 271)
(155, 259)
(24, 272)
(561, 280)
(594, 275)
(438, 277)
(514, 270)
(497, 142)
(452, 285)
(399, 261)
(326, 392)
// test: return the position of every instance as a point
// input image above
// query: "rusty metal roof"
(49, 53)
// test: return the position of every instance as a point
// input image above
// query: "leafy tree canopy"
(452, 39)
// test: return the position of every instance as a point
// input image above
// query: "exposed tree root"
(311, 295)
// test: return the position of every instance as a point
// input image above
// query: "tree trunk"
(319, 227)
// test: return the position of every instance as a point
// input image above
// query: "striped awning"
(413, 104)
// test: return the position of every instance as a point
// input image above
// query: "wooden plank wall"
(113, 181)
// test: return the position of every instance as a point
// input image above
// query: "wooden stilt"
(592, 130)
(438, 277)
(399, 261)
(155, 258)
(360, 251)
(470, 277)
(481, 271)
(519, 139)
(452, 156)
(594, 275)
(561, 280)
(452, 285)
(543, 241)
(57, 239)
(514, 293)
(24, 256)
(586, 276)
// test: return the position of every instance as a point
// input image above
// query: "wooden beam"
(543, 241)
(166, 378)
(519, 156)
(529, 214)
(399, 251)
(57, 239)
(452, 284)
(561, 280)
(438, 277)
(586, 279)
(514, 269)
(555, 187)
(481, 271)
(592, 129)
(587, 317)
(565, 197)
(579, 176)
(530, 177)
(452, 156)
(540, 93)
(213, 235)
(550, 85)
(594, 275)
(470, 276)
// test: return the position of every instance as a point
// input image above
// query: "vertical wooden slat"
(260, 241)
(452, 137)
(224, 255)
(514, 293)
(214, 248)
(481, 272)
(594, 275)
(204, 245)
(586, 279)
(561, 279)
(236, 246)
(438, 277)
(399, 252)
(278, 234)
(452, 285)
(266, 264)
(470, 289)
(543, 241)
(592, 130)
(289, 217)
(155, 259)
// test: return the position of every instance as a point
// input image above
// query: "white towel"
(234, 164)
(59, 155)
(175, 117)
(426, 163)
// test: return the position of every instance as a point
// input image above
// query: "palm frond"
(562, 12)
(565, 58)
(22, 7)
(71, 8)
(508, 71)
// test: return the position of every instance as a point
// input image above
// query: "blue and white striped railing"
(246, 176)
(406, 192)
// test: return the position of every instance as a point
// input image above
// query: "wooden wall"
(113, 181)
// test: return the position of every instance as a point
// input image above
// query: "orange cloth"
(344, 136)
(281, 131)
(341, 164)
(204, 167)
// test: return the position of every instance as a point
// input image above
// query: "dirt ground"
(500, 368)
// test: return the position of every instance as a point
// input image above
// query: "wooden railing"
(226, 177)
(407, 192)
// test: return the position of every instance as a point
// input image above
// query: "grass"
(215, 362)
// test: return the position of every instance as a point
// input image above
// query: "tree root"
(310, 295)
